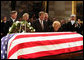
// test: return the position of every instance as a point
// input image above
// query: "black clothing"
(4, 28)
(48, 24)
(11, 22)
(37, 26)
(72, 28)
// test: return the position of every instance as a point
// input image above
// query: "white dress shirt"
(72, 22)
(13, 19)
(41, 22)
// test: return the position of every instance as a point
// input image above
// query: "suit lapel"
(39, 25)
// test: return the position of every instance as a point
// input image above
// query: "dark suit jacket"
(37, 26)
(4, 28)
(48, 25)
(70, 27)
(11, 22)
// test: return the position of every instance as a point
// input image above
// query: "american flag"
(4, 43)
(34, 45)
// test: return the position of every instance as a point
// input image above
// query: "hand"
(76, 25)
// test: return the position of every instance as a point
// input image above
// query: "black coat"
(4, 28)
(37, 26)
(48, 25)
(64, 27)
(11, 22)
(70, 27)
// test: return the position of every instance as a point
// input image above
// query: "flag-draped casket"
(35, 45)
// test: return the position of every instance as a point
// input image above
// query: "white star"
(2, 43)
(6, 43)
(1, 39)
(5, 52)
(1, 51)
(3, 56)
(4, 47)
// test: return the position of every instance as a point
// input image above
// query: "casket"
(49, 45)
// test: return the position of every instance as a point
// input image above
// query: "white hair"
(25, 14)
(73, 15)
(56, 22)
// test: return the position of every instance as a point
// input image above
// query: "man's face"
(72, 18)
(14, 16)
(46, 16)
(42, 16)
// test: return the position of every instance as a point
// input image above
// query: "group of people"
(42, 24)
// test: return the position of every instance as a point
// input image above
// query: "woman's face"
(56, 27)
(25, 17)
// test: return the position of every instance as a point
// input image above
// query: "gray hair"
(13, 12)
(56, 22)
(25, 14)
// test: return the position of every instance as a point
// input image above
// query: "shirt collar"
(13, 19)
(40, 20)
(72, 22)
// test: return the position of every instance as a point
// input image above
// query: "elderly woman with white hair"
(22, 26)
(25, 16)
(56, 27)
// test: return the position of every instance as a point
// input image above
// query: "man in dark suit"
(48, 23)
(72, 25)
(4, 27)
(13, 17)
(39, 24)
(63, 25)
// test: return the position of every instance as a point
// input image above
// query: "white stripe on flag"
(45, 48)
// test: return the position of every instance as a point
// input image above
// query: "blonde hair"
(56, 22)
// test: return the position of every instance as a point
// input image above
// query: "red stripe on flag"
(42, 43)
(48, 53)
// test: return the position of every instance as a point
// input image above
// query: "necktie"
(42, 25)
